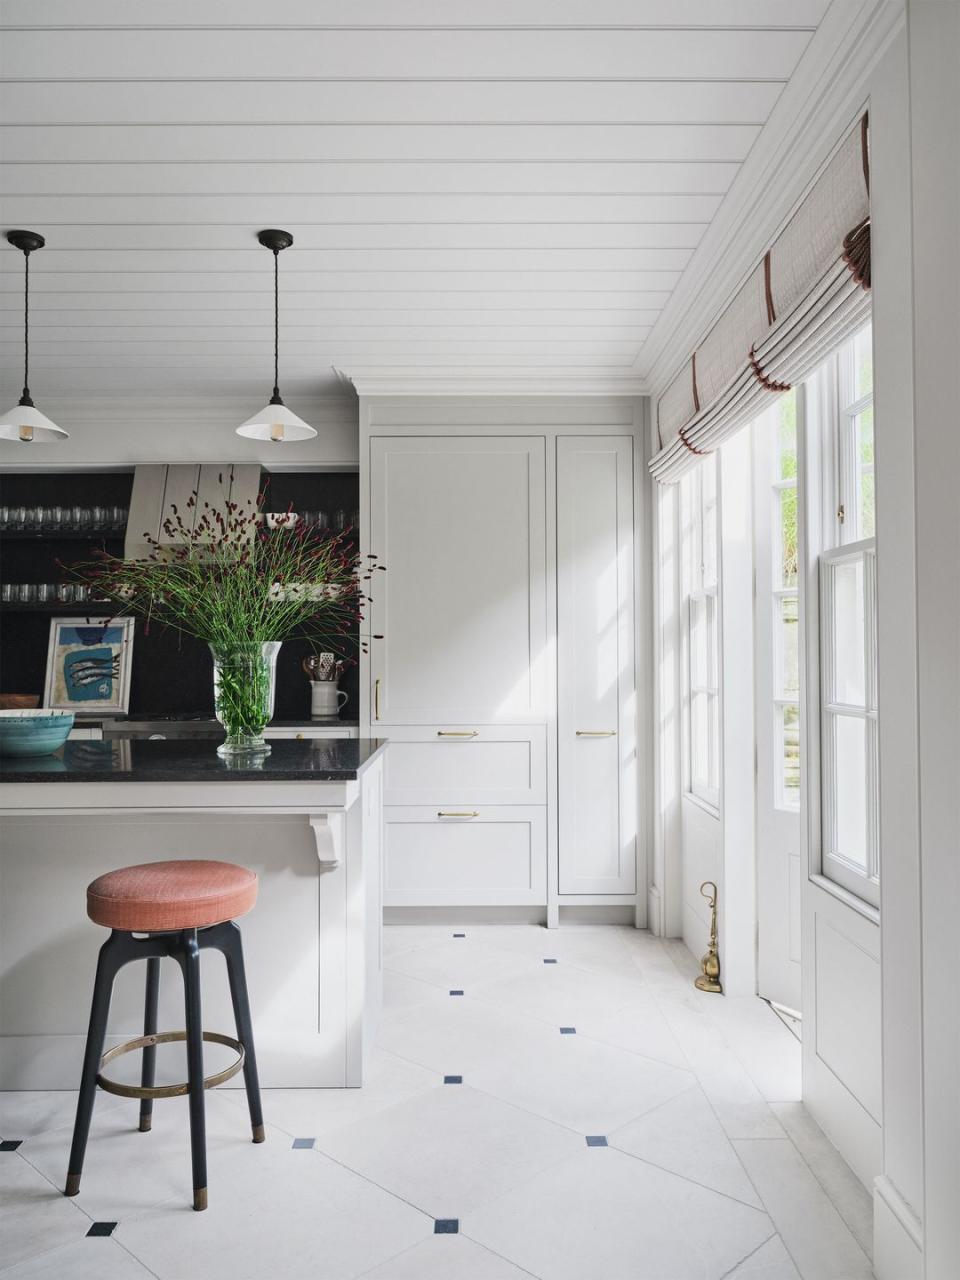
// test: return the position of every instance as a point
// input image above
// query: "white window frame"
(699, 588)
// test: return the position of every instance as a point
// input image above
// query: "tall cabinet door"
(596, 706)
(459, 523)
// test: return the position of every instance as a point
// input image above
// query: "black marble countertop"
(193, 760)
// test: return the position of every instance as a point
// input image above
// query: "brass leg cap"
(146, 1124)
(199, 1198)
(73, 1185)
(258, 1133)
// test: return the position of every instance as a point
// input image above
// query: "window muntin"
(701, 624)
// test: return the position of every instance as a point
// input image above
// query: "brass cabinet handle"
(596, 733)
(376, 699)
(452, 813)
(458, 733)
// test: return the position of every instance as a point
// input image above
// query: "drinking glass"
(80, 592)
(65, 592)
(27, 592)
(34, 518)
(4, 518)
(98, 518)
(45, 592)
(118, 517)
(18, 518)
(339, 521)
(79, 518)
(8, 592)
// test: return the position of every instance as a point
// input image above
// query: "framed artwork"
(88, 664)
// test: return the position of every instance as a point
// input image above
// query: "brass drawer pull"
(451, 813)
(458, 733)
(376, 699)
(596, 733)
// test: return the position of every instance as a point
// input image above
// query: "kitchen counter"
(307, 817)
(194, 761)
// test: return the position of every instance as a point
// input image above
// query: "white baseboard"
(897, 1235)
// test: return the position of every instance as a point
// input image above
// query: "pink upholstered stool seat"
(157, 897)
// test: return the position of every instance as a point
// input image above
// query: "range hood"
(158, 489)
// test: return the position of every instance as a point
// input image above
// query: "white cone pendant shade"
(25, 422)
(275, 421)
(278, 423)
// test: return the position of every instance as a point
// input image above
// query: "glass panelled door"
(777, 633)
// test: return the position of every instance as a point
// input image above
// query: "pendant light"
(25, 422)
(275, 421)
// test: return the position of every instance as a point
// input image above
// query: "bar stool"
(182, 907)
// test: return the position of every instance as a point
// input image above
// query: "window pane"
(863, 428)
(708, 472)
(789, 647)
(787, 437)
(713, 652)
(789, 739)
(863, 363)
(699, 730)
(850, 773)
(714, 747)
(848, 634)
(699, 668)
(788, 538)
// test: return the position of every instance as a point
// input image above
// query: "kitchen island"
(306, 817)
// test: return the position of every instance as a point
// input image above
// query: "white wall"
(122, 431)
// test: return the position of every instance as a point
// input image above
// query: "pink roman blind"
(810, 292)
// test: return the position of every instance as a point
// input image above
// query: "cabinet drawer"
(497, 857)
(446, 765)
(309, 732)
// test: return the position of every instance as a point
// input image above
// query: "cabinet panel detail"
(490, 765)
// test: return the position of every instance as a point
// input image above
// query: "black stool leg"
(189, 957)
(231, 944)
(148, 1071)
(109, 962)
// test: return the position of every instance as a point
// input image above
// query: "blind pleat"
(805, 298)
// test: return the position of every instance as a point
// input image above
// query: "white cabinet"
(596, 703)
(456, 856)
(498, 764)
(459, 523)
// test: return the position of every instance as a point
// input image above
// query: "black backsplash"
(171, 673)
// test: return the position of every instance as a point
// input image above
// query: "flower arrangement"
(243, 584)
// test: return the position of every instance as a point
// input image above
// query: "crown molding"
(498, 385)
(820, 101)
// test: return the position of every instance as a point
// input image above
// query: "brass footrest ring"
(168, 1090)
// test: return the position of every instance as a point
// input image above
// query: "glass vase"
(244, 678)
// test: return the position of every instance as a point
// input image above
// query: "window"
(848, 630)
(700, 613)
(786, 604)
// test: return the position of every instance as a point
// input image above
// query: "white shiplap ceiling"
(494, 192)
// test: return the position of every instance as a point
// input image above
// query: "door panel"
(595, 662)
(459, 524)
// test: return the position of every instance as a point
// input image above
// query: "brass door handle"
(451, 813)
(596, 733)
(458, 733)
(376, 699)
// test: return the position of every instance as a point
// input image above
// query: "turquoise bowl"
(33, 733)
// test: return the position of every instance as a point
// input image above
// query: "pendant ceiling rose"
(275, 421)
(24, 422)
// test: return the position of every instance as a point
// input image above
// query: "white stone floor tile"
(844, 1189)
(303, 1113)
(667, 1075)
(446, 1258)
(815, 1235)
(33, 1217)
(450, 1150)
(297, 1215)
(603, 1214)
(96, 1258)
(770, 1262)
(684, 1136)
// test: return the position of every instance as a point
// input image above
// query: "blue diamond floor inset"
(568, 1031)
(303, 1144)
(11, 1144)
(549, 962)
(456, 993)
(596, 1140)
(446, 1226)
(102, 1229)
(453, 1079)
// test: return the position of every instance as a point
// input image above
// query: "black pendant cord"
(25, 398)
(275, 399)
